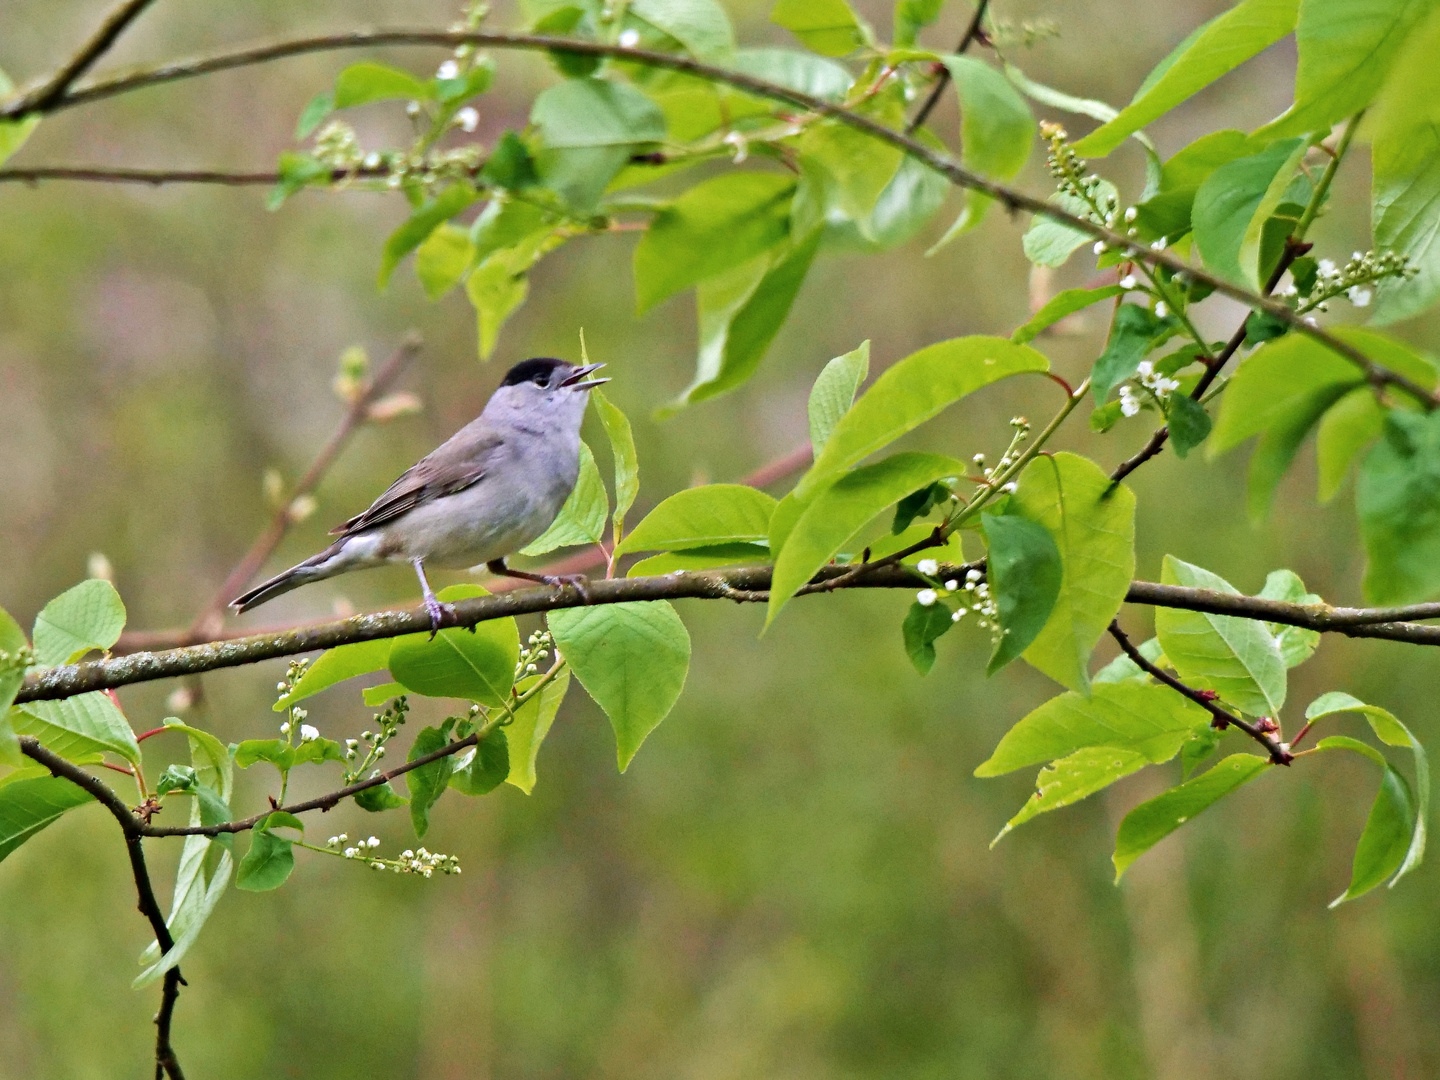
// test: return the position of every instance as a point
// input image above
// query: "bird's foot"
(439, 612)
(579, 581)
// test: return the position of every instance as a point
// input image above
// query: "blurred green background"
(793, 878)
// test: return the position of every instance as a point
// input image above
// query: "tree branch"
(1013, 199)
(727, 584)
(44, 97)
(207, 622)
(155, 177)
(1279, 754)
(166, 1064)
(973, 33)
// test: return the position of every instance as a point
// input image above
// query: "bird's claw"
(438, 613)
(579, 581)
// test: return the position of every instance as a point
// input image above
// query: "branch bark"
(44, 97)
(1013, 199)
(102, 174)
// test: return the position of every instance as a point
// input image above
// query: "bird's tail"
(333, 560)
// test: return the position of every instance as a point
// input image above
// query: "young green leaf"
(1051, 243)
(12, 677)
(911, 392)
(76, 726)
(483, 769)
(838, 512)
(701, 558)
(1060, 305)
(428, 782)
(582, 518)
(716, 226)
(844, 172)
(1233, 205)
(478, 666)
(922, 626)
(379, 798)
(702, 517)
(911, 198)
(1346, 429)
(1392, 732)
(1123, 669)
(530, 726)
(828, 27)
(1075, 777)
(701, 26)
(1385, 839)
(834, 392)
(802, 71)
(1235, 657)
(1399, 517)
(316, 110)
(421, 224)
(31, 799)
(631, 658)
(997, 128)
(1024, 580)
(590, 113)
(622, 452)
(336, 665)
(442, 259)
(268, 862)
(912, 16)
(13, 133)
(1134, 333)
(1218, 47)
(1092, 522)
(84, 617)
(1152, 821)
(1188, 422)
(1296, 644)
(360, 84)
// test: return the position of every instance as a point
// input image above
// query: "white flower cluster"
(425, 863)
(338, 148)
(362, 753)
(1160, 387)
(1355, 279)
(537, 648)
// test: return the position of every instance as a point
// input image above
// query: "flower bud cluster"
(1354, 279)
(537, 649)
(1073, 178)
(420, 861)
(364, 752)
(973, 596)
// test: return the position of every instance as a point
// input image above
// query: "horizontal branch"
(43, 97)
(101, 174)
(957, 174)
(746, 583)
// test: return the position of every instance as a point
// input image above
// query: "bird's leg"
(579, 581)
(436, 610)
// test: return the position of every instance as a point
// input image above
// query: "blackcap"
(490, 489)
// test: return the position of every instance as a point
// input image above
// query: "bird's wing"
(458, 464)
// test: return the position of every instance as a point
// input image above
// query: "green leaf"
(336, 665)
(13, 133)
(375, 696)
(582, 518)
(802, 71)
(922, 626)
(268, 862)
(360, 84)
(1192, 165)
(1145, 718)
(277, 752)
(846, 170)
(478, 666)
(911, 392)
(510, 165)
(318, 108)
(1122, 668)
(428, 782)
(76, 726)
(1050, 243)
(1235, 657)
(1188, 422)
(495, 290)
(631, 658)
(379, 798)
(702, 517)
(1386, 837)
(740, 314)
(1134, 333)
(997, 128)
(838, 512)
(1398, 500)
(1405, 167)
(1060, 305)
(701, 26)
(912, 16)
(1233, 204)
(530, 726)
(1218, 47)
(1073, 778)
(85, 617)
(1296, 644)
(622, 452)
(714, 227)
(1024, 575)
(31, 799)
(12, 677)
(1348, 426)
(1346, 50)
(828, 27)
(483, 769)
(441, 261)
(701, 558)
(421, 224)
(834, 393)
(1152, 821)
(1200, 746)
(1092, 522)
(1389, 730)
(911, 198)
(588, 113)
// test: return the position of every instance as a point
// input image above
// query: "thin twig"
(103, 174)
(973, 33)
(1014, 200)
(207, 622)
(43, 97)
(1278, 753)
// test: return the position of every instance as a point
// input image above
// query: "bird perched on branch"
(490, 489)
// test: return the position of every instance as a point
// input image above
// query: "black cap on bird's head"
(551, 374)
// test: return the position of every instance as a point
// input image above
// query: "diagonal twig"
(44, 96)
(973, 33)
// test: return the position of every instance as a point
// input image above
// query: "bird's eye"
(541, 380)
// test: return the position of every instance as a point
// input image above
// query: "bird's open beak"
(574, 379)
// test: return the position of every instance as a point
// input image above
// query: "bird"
(486, 492)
